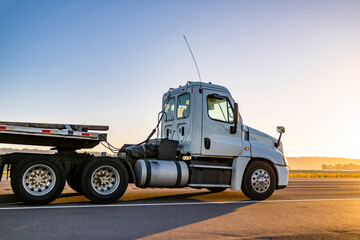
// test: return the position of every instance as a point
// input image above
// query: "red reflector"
(46, 131)
(1, 127)
(86, 134)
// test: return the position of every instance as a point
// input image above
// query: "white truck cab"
(204, 119)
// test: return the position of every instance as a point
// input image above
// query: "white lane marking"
(324, 179)
(172, 204)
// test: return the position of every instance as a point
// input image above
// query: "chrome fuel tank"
(161, 173)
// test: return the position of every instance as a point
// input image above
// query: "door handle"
(207, 143)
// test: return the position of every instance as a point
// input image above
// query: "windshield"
(219, 109)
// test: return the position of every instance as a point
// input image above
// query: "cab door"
(218, 117)
(168, 118)
(182, 118)
(176, 122)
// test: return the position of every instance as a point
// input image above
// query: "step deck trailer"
(203, 144)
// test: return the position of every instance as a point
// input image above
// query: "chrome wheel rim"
(105, 180)
(39, 179)
(260, 180)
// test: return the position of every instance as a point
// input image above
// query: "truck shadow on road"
(6, 199)
(162, 218)
(136, 215)
(149, 215)
(153, 215)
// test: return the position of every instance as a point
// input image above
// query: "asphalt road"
(306, 209)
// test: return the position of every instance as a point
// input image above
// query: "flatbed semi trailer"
(203, 144)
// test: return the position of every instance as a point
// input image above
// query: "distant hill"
(25, 150)
(315, 163)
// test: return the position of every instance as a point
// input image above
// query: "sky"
(290, 63)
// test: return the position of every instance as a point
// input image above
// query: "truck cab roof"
(192, 85)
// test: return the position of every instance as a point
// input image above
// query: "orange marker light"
(246, 148)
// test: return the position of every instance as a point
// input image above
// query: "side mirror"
(233, 129)
(281, 130)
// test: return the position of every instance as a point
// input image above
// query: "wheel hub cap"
(260, 180)
(39, 179)
(105, 180)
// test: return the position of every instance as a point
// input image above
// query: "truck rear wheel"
(259, 181)
(38, 180)
(104, 180)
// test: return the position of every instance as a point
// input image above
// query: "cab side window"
(219, 108)
(183, 106)
(169, 108)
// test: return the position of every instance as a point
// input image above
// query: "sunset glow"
(290, 63)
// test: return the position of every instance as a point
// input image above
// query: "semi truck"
(201, 142)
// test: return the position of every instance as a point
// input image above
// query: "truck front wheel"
(38, 180)
(104, 180)
(259, 181)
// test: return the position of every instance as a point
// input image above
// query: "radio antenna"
(197, 68)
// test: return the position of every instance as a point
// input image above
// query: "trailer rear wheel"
(104, 180)
(259, 181)
(38, 180)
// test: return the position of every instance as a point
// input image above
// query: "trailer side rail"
(50, 132)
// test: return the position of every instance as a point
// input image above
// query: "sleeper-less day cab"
(203, 144)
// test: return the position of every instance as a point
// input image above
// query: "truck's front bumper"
(282, 176)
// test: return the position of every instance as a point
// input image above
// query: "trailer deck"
(60, 136)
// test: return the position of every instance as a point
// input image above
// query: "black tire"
(216, 189)
(104, 180)
(259, 180)
(38, 180)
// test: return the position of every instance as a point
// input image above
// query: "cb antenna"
(197, 68)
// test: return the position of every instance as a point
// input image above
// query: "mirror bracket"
(281, 130)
